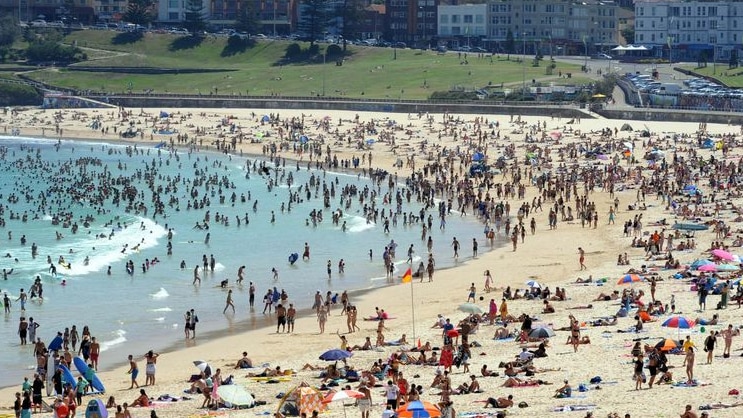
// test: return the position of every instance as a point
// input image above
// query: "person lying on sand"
(604, 322)
(589, 306)
(513, 382)
(488, 373)
(607, 296)
(584, 340)
(502, 333)
(269, 372)
(500, 402)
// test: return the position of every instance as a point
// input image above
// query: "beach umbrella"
(370, 141)
(265, 118)
(203, 366)
(303, 139)
(707, 267)
(236, 395)
(666, 344)
(556, 134)
(627, 128)
(728, 267)
(699, 263)
(452, 333)
(679, 322)
(541, 332)
(630, 278)
(335, 355)
(722, 254)
(342, 395)
(470, 308)
(478, 156)
(689, 227)
(533, 284)
(418, 409)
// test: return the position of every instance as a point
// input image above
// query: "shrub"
(18, 95)
(293, 51)
(334, 51)
(313, 50)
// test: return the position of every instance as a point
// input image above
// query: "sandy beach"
(549, 256)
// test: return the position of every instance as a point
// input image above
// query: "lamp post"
(274, 17)
(324, 56)
(423, 19)
(523, 63)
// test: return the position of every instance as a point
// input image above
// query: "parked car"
(603, 56)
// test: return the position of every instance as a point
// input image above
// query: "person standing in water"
(196, 277)
(228, 303)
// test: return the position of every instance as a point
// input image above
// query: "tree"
(352, 13)
(628, 34)
(140, 12)
(9, 30)
(247, 21)
(510, 43)
(733, 59)
(314, 18)
(195, 20)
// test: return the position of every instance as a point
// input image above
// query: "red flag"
(408, 276)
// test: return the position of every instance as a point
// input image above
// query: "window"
(173, 16)
(456, 30)
(454, 18)
(713, 24)
(467, 18)
(173, 4)
(479, 19)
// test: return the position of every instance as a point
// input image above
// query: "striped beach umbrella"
(679, 322)
(630, 278)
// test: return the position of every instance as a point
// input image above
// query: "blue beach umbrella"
(335, 355)
(699, 263)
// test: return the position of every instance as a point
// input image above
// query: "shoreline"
(550, 257)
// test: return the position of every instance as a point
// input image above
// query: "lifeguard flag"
(408, 276)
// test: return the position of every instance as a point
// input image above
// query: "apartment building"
(690, 30)
(461, 24)
(411, 21)
(554, 26)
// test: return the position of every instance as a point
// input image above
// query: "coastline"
(552, 260)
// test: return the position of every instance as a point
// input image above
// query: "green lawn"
(731, 77)
(367, 72)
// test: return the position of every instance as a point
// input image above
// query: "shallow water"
(132, 313)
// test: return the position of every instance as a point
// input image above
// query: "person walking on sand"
(727, 337)
(280, 318)
(322, 317)
(291, 313)
(582, 258)
(133, 371)
(228, 302)
(471, 295)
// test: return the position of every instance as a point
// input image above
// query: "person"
(291, 313)
(142, 400)
(95, 353)
(709, 345)
(26, 405)
(17, 404)
(280, 318)
(688, 413)
(229, 303)
(638, 374)
(133, 371)
(689, 362)
(194, 321)
(391, 394)
(36, 388)
(322, 318)
(727, 336)
(582, 258)
(150, 368)
(245, 362)
(500, 402)
(565, 391)
(365, 403)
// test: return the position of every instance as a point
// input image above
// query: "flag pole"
(412, 307)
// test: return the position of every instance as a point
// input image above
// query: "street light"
(523, 63)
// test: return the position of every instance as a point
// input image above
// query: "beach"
(549, 256)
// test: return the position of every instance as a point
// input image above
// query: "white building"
(462, 21)
(685, 30)
(172, 11)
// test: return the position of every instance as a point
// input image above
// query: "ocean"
(102, 206)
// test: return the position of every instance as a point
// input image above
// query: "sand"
(549, 256)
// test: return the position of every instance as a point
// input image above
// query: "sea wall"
(175, 101)
(671, 115)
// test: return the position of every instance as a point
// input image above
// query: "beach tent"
(164, 114)
(299, 399)
(708, 143)
(626, 128)
(236, 395)
(96, 409)
(265, 118)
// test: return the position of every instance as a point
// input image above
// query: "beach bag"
(596, 379)
(582, 388)
(523, 404)
(733, 392)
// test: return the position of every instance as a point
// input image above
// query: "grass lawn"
(731, 77)
(367, 72)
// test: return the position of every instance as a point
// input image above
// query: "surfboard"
(56, 344)
(67, 376)
(49, 374)
(65, 264)
(83, 369)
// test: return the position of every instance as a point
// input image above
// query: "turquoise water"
(134, 197)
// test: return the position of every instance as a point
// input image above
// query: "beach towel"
(568, 408)
(692, 384)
